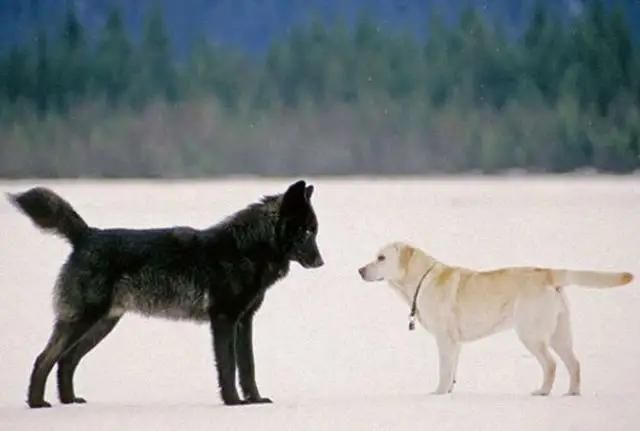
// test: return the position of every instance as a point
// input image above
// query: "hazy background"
(280, 87)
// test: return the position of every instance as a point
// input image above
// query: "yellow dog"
(457, 305)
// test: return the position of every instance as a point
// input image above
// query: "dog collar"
(412, 315)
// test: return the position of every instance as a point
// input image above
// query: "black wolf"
(217, 275)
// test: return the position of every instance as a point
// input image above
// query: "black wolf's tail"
(50, 212)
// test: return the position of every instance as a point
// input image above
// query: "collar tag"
(412, 322)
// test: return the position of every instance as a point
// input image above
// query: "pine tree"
(405, 67)
(535, 51)
(370, 46)
(594, 59)
(154, 72)
(71, 62)
(341, 70)
(316, 61)
(43, 81)
(214, 70)
(620, 44)
(15, 76)
(113, 67)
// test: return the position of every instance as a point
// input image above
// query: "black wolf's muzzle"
(315, 262)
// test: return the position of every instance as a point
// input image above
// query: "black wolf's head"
(298, 226)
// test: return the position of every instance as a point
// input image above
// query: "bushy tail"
(563, 277)
(50, 212)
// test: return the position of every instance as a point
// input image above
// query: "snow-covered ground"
(333, 352)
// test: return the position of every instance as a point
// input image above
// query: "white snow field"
(333, 352)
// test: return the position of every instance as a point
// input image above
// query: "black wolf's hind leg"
(70, 359)
(64, 335)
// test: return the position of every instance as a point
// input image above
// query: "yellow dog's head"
(391, 263)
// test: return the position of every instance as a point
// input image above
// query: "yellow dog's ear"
(405, 256)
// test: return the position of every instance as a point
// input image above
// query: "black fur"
(49, 211)
(217, 275)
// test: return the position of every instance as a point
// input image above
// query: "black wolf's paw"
(261, 400)
(234, 402)
(38, 404)
(76, 400)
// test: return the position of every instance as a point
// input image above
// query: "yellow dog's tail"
(564, 277)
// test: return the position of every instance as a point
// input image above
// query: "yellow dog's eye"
(380, 258)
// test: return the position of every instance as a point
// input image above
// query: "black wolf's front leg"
(223, 331)
(244, 350)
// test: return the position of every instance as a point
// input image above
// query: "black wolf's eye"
(308, 232)
(381, 258)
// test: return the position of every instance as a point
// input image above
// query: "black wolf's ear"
(293, 197)
(308, 192)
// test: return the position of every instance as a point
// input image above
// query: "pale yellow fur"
(458, 305)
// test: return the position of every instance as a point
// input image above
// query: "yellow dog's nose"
(362, 271)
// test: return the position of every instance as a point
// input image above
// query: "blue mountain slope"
(252, 24)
